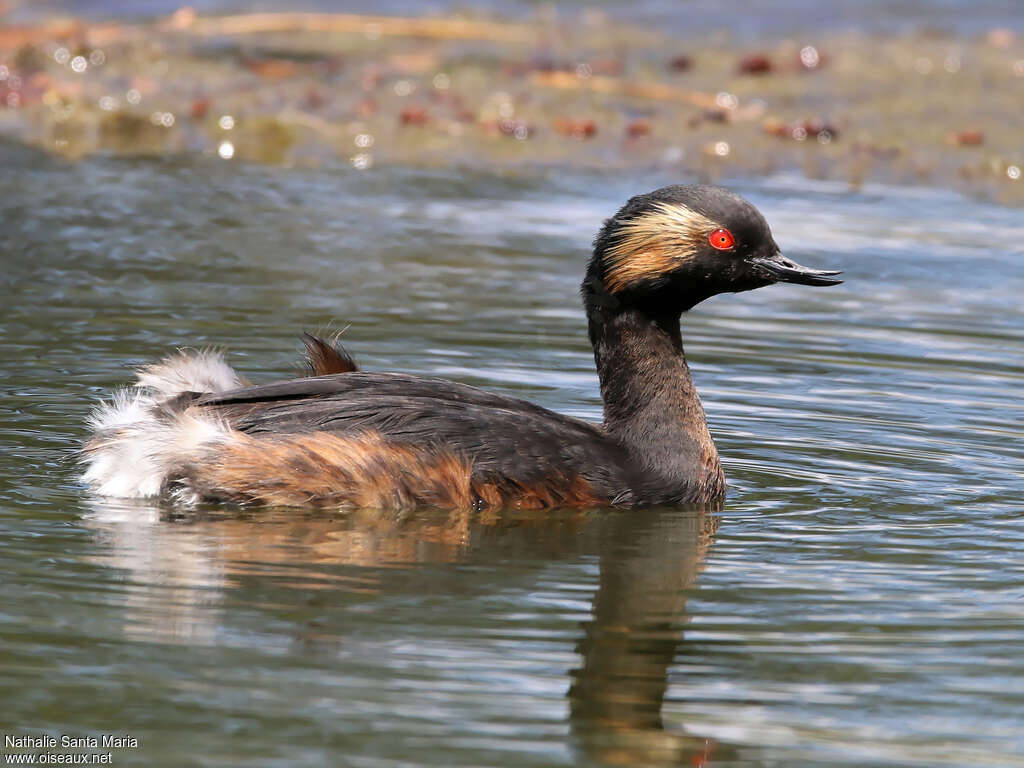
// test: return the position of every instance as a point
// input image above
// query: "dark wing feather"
(324, 357)
(507, 439)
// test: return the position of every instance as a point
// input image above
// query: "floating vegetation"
(309, 88)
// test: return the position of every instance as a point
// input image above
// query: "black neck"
(651, 406)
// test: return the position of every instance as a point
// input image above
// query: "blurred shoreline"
(579, 90)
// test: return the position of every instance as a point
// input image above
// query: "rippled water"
(859, 601)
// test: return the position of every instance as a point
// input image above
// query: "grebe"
(192, 431)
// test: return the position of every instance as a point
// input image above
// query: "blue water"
(858, 601)
(690, 18)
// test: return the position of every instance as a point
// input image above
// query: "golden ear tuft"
(654, 244)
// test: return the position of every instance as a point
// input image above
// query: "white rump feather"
(134, 447)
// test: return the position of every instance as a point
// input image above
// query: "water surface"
(859, 600)
(690, 18)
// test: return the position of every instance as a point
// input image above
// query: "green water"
(859, 600)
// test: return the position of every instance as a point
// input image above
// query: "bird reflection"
(647, 561)
(183, 567)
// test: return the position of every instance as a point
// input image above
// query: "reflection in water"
(184, 568)
(861, 607)
(638, 612)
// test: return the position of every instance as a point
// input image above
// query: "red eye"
(721, 239)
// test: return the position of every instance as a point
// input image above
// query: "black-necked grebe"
(193, 431)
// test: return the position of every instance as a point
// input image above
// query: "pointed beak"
(786, 271)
